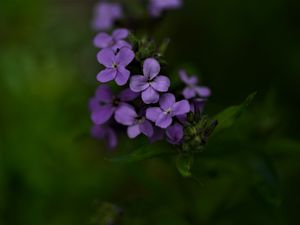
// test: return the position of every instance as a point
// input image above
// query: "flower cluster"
(144, 104)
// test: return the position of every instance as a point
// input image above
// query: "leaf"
(150, 151)
(184, 164)
(229, 116)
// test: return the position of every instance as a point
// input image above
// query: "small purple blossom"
(175, 134)
(105, 15)
(192, 90)
(115, 64)
(114, 41)
(104, 132)
(137, 124)
(163, 115)
(150, 83)
(157, 6)
(104, 104)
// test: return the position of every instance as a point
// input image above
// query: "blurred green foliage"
(53, 173)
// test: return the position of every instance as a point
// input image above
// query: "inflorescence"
(144, 105)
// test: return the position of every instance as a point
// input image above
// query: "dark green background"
(52, 173)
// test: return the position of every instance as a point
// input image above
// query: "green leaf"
(184, 164)
(229, 116)
(147, 152)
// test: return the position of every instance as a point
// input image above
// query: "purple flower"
(114, 41)
(162, 116)
(192, 90)
(105, 15)
(115, 65)
(103, 105)
(106, 133)
(157, 6)
(137, 124)
(175, 133)
(197, 105)
(150, 83)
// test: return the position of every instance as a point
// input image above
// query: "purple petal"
(104, 94)
(150, 96)
(203, 91)
(133, 131)
(125, 115)
(122, 76)
(107, 75)
(112, 138)
(98, 132)
(197, 105)
(106, 57)
(189, 92)
(128, 95)
(163, 120)
(180, 108)
(151, 68)
(193, 80)
(121, 44)
(167, 101)
(138, 83)
(161, 83)
(93, 104)
(153, 113)
(119, 34)
(124, 57)
(103, 40)
(175, 133)
(102, 114)
(146, 128)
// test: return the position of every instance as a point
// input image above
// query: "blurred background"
(53, 173)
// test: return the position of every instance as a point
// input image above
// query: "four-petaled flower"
(104, 104)
(114, 41)
(106, 133)
(115, 64)
(175, 134)
(106, 14)
(137, 124)
(150, 83)
(163, 115)
(192, 90)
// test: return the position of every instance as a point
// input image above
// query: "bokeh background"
(53, 173)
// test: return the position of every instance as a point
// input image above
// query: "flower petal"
(124, 56)
(98, 131)
(161, 83)
(146, 128)
(103, 40)
(121, 44)
(128, 95)
(107, 75)
(193, 80)
(120, 33)
(138, 83)
(153, 113)
(151, 67)
(112, 138)
(150, 96)
(125, 115)
(175, 133)
(133, 131)
(122, 76)
(104, 94)
(164, 120)
(106, 57)
(189, 92)
(203, 91)
(102, 114)
(166, 101)
(180, 108)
